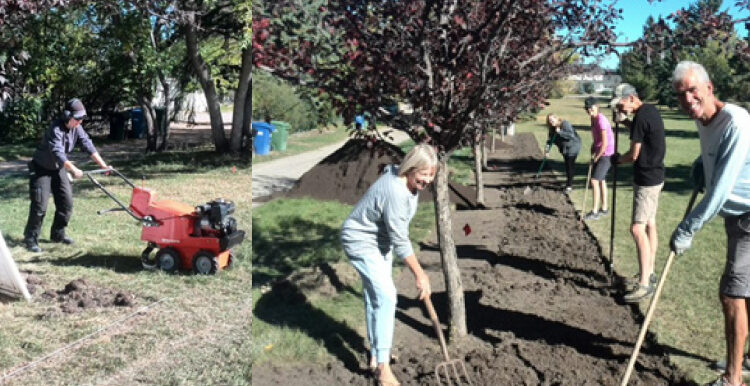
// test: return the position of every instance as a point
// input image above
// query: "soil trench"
(540, 305)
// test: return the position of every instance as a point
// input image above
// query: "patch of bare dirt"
(540, 305)
(77, 296)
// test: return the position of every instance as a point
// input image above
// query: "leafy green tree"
(277, 99)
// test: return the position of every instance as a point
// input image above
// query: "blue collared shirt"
(52, 152)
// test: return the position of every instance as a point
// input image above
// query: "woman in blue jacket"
(377, 229)
(562, 134)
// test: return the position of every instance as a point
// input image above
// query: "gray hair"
(422, 156)
(682, 68)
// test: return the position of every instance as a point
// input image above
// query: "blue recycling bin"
(139, 123)
(262, 138)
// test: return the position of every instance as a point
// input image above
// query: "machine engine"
(214, 219)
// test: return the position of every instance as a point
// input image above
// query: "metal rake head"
(452, 373)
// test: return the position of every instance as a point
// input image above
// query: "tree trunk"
(239, 116)
(492, 148)
(207, 84)
(164, 133)
(454, 287)
(145, 102)
(478, 176)
(483, 146)
(247, 139)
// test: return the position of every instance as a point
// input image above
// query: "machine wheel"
(168, 260)
(205, 263)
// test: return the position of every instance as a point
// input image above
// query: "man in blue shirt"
(49, 172)
(724, 131)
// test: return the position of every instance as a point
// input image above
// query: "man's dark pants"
(42, 182)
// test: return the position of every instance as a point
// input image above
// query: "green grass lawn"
(13, 152)
(199, 332)
(688, 320)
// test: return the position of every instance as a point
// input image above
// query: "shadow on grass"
(114, 262)
(149, 166)
(285, 305)
(294, 243)
(14, 186)
(17, 150)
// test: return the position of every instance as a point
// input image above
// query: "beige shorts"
(645, 203)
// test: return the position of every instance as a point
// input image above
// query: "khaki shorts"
(645, 203)
(735, 282)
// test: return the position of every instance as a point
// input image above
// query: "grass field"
(688, 320)
(198, 332)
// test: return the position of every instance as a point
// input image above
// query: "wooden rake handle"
(652, 306)
(436, 325)
(586, 188)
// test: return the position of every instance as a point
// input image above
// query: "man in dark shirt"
(50, 172)
(647, 149)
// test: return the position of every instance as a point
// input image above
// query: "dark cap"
(621, 91)
(74, 109)
(590, 101)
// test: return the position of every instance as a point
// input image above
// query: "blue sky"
(635, 13)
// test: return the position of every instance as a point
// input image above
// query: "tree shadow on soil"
(580, 277)
(285, 305)
(533, 328)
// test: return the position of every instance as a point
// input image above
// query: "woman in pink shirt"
(601, 151)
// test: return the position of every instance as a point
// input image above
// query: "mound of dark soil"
(346, 174)
(80, 295)
(541, 308)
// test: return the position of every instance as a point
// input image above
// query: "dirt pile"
(80, 295)
(541, 308)
(346, 174)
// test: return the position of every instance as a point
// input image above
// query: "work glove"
(697, 176)
(681, 241)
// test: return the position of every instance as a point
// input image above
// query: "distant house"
(601, 79)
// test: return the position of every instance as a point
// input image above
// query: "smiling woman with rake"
(378, 228)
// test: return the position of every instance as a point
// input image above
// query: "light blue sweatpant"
(380, 302)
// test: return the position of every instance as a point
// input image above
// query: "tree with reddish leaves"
(452, 61)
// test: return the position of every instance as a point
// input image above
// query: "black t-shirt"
(648, 130)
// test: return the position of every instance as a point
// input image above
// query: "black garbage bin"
(117, 121)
